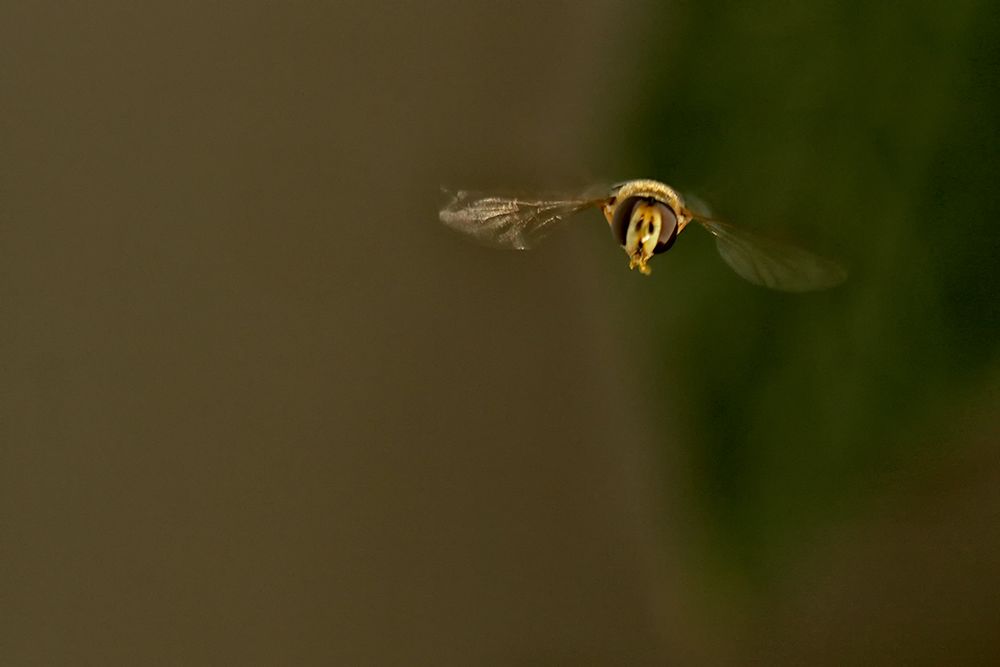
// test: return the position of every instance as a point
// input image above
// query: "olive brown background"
(259, 407)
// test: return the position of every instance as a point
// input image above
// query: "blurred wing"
(503, 222)
(770, 263)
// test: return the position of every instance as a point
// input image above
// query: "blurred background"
(260, 407)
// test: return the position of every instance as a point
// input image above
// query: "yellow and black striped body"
(645, 217)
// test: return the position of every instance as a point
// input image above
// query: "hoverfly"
(645, 217)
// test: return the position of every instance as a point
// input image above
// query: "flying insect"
(645, 217)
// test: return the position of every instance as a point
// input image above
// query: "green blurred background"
(260, 407)
(868, 129)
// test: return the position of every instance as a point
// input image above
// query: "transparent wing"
(770, 263)
(509, 222)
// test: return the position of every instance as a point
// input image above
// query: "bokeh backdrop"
(260, 407)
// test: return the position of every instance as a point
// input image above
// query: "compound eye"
(622, 216)
(668, 229)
